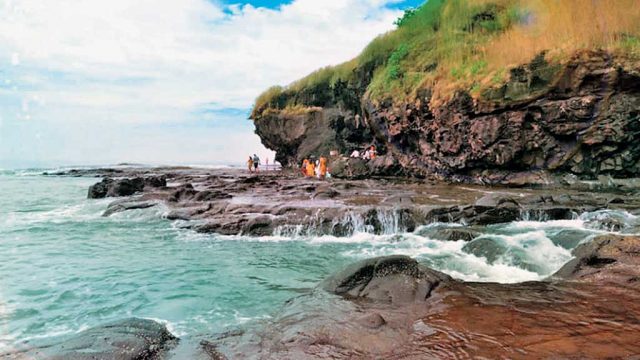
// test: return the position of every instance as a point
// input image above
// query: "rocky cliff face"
(582, 117)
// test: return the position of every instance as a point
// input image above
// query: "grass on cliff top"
(446, 45)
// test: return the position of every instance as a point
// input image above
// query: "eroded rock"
(130, 339)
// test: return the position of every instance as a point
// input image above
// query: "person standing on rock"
(323, 168)
(250, 164)
(256, 162)
(311, 169)
(303, 169)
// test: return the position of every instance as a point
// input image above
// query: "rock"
(325, 192)
(183, 193)
(454, 234)
(485, 248)
(544, 122)
(608, 258)
(259, 226)
(372, 320)
(496, 200)
(124, 187)
(125, 205)
(155, 181)
(99, 190)
(209, 195)
(130, 339)
(391, 279)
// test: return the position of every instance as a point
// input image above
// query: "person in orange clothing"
(323, 167)
(303, 169)
(373, 153)
(311, 169)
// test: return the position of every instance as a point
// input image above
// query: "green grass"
(447, 45)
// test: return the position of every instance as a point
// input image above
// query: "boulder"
(608, 258)
(130, 339)
(109, 187)
(390, 279)
(126, 205)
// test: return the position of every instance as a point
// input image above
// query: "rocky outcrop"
(130, 339)
(607, 258)
(580, 118)
(396, 308)
(231, 202)
(109, 187)
(391, 279)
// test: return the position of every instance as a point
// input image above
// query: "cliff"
(469, 106)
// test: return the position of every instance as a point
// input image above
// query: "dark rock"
(183, 193)
(372, 320)
(211, 351)
(125, 205)
(393, 279)
(209, 195)
(99, 190)
(131, 339)
(455, 234)
(326, 192)
(486, 248)
(155, 181)
(119, 187)
(259, 226)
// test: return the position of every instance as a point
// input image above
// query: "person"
(373, 152)
(355, 154)
(250, 164)
(367, 155)
(256, 162)
(323, 167)
(311, 169)
(303, 169)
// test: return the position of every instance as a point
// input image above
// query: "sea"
(65, 268)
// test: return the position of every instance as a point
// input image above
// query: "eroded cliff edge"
(580, 118)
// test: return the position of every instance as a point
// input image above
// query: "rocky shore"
(233, 202)
(390, 307)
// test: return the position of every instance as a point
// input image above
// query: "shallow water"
(64, 267)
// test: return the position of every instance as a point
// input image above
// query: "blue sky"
(160, 81)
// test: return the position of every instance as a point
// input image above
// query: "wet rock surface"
(588, 311)
(109, 187)
(130, 339)
(392, 279)
(232, 202)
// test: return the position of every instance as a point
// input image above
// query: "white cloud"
(143, 60)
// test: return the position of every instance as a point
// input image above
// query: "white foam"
(543, 225)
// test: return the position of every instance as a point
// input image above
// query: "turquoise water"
(64, 267)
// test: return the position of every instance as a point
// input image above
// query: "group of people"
(369, 154)
(315, 168)
(253, 163)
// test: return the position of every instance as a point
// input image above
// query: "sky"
(94, 82)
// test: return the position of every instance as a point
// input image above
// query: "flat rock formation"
(130, 339)
(232, 202)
